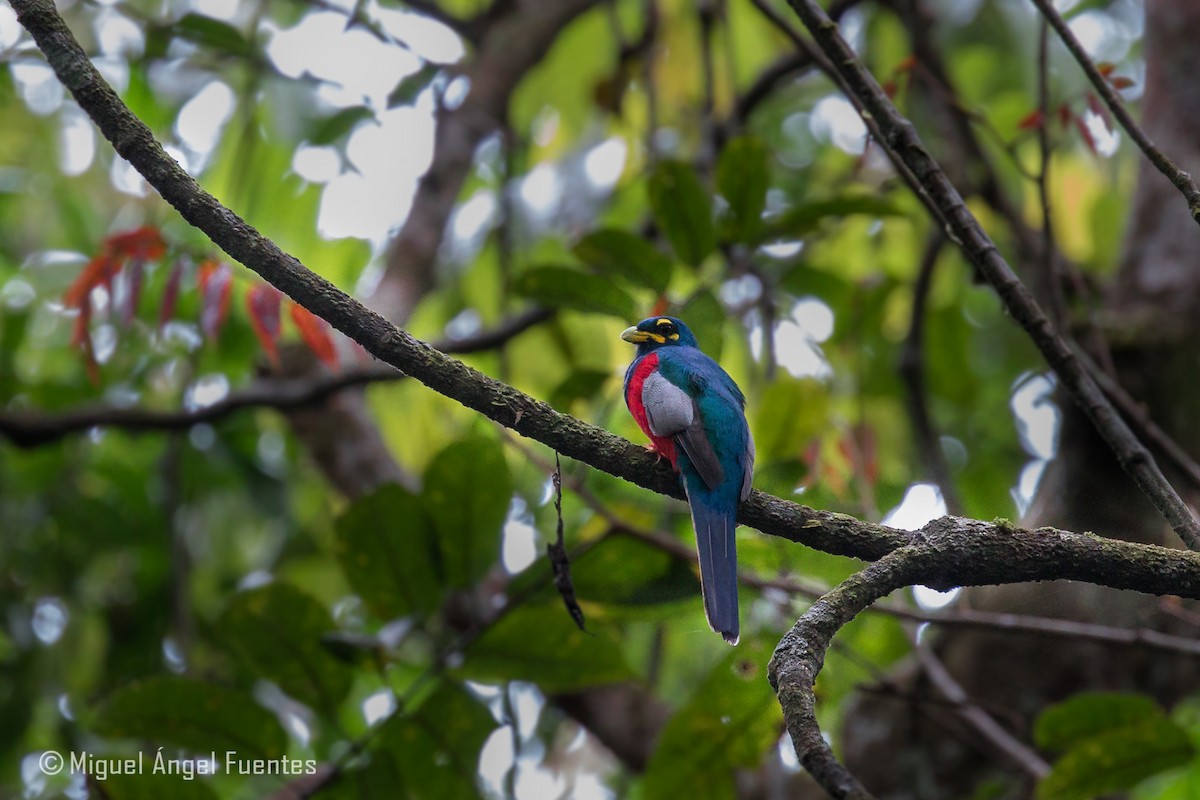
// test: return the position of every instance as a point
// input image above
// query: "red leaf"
(1106, 68)
(315, 333)
(1064, 116)
(1120, 82)
(907, 64)
(1086, 134)
(145, 243)
(1031, 121)
(134, 273)
(96, 272)
(1099, 110)
(216, 286)
(264, 302)
(166, 308)
(661, 305)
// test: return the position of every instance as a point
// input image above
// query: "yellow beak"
(637, 337)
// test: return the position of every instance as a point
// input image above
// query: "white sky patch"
(126, 179)
(76, 142)
(473, 218)
(355, 60)
(797, 339)
(922, 504)
(496, 759)
(835, 120)
(390, 156)
(534, 782)
(207, 389)
(317, 164)
(541, 190)
(742, 290)
(1036, 414)
(38, 86)
(1027, 484)
(1094, 31)
(202, 118)
(104, 343)
(604, 163)
(1106, 139)
(428, 38)
(49, 620)
(782, 250)
(378, 706)
(527, 703)
(118, 35)
(10, 29)
(217, 9)
(520, 547)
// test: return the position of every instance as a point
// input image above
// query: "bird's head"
(655, 332)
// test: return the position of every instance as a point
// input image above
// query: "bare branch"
(899, 137)
(31, 429)
(969, 552)
(1180, 179)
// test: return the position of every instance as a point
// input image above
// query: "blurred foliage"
(208, 591)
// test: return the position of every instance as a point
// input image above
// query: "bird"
(694, 415)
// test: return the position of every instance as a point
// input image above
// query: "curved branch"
(976, 552)
(1179, 179)
(901, 138)
(29, 429)
(801, 654)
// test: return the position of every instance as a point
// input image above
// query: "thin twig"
(1049, 274)
(29, 429)
(980, 721)
(899, 137)
(1180, 179)
(912, 373)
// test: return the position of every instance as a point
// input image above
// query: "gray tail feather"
(717, 548)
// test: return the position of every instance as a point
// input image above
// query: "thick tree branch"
(900, 137)
(801, 654)
(1180, 179)
(972, 552)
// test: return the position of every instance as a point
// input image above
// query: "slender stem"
(899, 137)
(1180, 179)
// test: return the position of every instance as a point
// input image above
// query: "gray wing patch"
(669, 410)
(672, 412)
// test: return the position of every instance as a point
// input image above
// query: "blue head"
(654, 332)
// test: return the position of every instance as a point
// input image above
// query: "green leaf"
(625, 571)
(705, 315)
(732, 721)
(802, 219)
(683, 210)
(1117, 759)
(561, 287)
(467, 491)
(386, 546)
(437, 746)
(541, 644)
(411, 86)
(1085, 715)
(150, 785)
(212, 33)
(742, 179)
(332, 128)
(791, 413)
(582, 384)
(196, 716)
(619, 252)
(277, 632)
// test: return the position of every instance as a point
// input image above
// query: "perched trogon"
(695, 417)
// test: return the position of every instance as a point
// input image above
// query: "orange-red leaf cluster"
(315, 333)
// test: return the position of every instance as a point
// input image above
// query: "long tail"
(715, 523)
